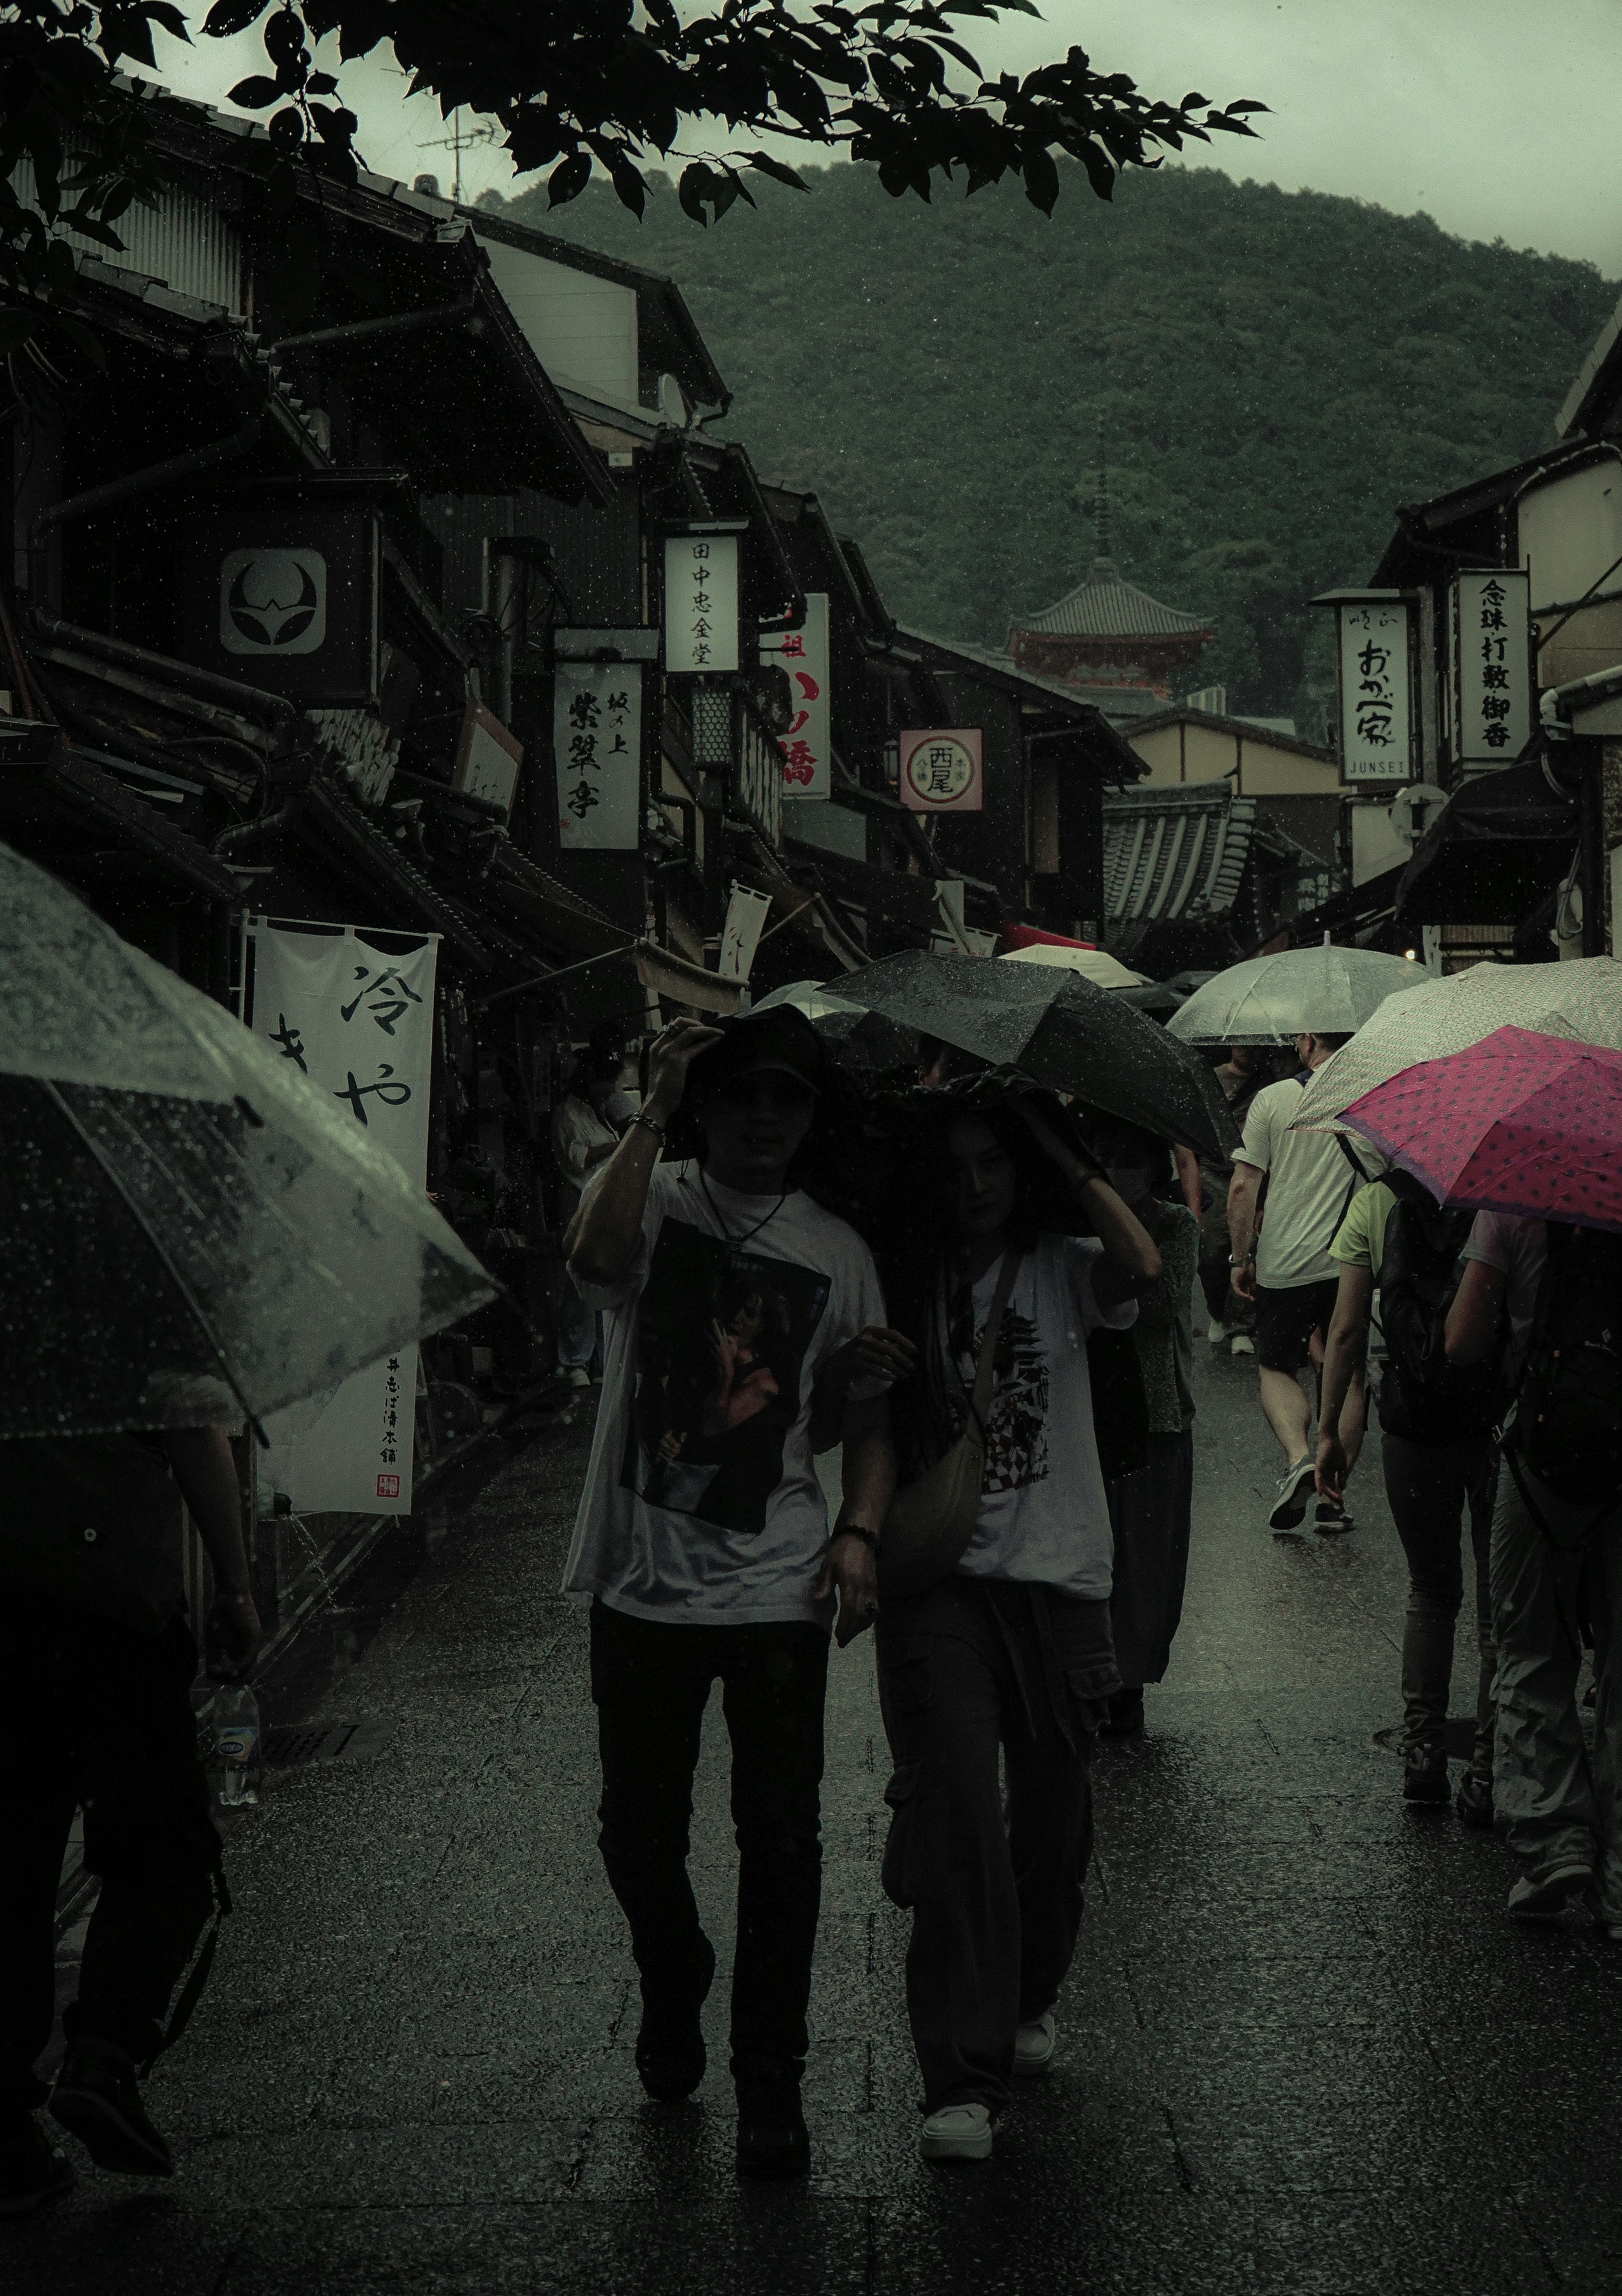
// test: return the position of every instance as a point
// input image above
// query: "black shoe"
(32, 2169)
(773, 2139)
(670, 2054)
(1474, 1799)
(1125, 1717)
(1425, 1772)
(97, 2099)
(1330, 1518)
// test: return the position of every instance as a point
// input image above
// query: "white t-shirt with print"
(1043, 1515)
(701, 1502)
(1310, 1188)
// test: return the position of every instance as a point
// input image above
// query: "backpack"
(1422, 1397)
(1566, 1426)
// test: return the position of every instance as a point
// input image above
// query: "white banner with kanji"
(359, 1022)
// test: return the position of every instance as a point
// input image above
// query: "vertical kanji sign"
(1494, 689)
(807, 746)
(701, 602)
(941, 771)
(596, 738)
(359, 1021)
(1376, 713)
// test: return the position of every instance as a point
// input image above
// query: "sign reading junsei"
(1494, 689)
(940, 772)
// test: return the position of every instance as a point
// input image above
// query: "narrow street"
(1302, 2048)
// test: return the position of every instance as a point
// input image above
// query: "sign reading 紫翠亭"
(596, 738)
(807, 746)
(940, 772)
(1493, 692)
(701, 602)
(1376, 712)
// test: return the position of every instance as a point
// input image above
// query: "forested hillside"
(1274, 374)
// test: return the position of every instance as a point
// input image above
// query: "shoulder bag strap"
(985, 1371)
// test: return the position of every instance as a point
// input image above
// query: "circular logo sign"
(940, 769)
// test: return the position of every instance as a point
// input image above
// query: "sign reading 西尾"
(808, 745)
(597, 736)
(1376, 717)
(701, 602)
(1493, 693)
(359, 1023)
(940, 772)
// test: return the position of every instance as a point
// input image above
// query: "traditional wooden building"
(1125, 650)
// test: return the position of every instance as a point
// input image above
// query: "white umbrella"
(1580, 1000)
(1091, 964)
(1269, 999)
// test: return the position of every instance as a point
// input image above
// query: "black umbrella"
(1060, 1029)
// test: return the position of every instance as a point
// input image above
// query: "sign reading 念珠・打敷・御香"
(596, 737)
(1492, 659)
(701, 602)
(1376, 710)
(359, 1021)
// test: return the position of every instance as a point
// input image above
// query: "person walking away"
(1438, 1457)
(1151, 1511)
(1290, 1275)
(744, 1328)
(1012, 1649)
(1231, 1318)
(585, 1132)
(1554, 1293)
(95, 1705)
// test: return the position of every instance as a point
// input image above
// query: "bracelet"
(648, 1124)
(857, 1530)
(1245, 1262)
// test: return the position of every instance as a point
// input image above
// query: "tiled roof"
(1103, 606)
(1175, 853)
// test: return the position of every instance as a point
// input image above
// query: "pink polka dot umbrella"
(1518, 1123)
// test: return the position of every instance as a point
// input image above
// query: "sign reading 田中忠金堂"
(1376, 713)
(1492, 689)
(701, 602)
(807, 746)
(596, 737)
(940, 772)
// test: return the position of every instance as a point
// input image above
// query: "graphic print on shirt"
(721, 1340)
(1016, 1432)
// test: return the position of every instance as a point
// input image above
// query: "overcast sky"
(1496, 117)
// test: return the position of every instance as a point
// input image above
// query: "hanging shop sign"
(283, 593)
(1492, 667)
(596, 737)
(941, 772)
(746, 915)
(701, 602)
(487, 758)
(358, 1023)
(1375, 658)
(807, 746)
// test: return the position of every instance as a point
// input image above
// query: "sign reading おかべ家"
(701, 602)
(807, 746)
(1376, 738)
(940, 772)
(597, 736)
(1494, 692)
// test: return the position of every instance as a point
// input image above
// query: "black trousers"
(651, 1683)
(95, 1716)
(995, 1889)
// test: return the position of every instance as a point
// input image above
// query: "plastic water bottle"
(236, 1744)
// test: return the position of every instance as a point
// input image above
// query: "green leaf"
(778, 171)
(165, 12)
(321, 84)
(1040, 178)
(287, 128)
(228, 16)
(88, 227)
(568, 179)
(633, 192)
(255, 93)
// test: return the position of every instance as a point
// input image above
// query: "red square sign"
(940, 772)
(388, 1487)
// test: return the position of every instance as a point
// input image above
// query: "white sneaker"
(957, 2132)
(1546, 1899)
(1241, 1344)
(1295, 1488)
(1035, 2044)
(577, 1376)
(1216, 1330)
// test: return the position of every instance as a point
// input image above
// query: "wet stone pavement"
(1302, 2047)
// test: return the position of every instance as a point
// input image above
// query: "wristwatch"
(1245, 1262)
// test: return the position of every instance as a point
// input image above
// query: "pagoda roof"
(1103, 606)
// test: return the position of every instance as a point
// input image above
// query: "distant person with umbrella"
(1281, 1264)
(96, 1665)
(1247, 1070)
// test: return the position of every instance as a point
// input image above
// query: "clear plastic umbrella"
(189, 1232)
(1267, 1000)
(1580, 1000)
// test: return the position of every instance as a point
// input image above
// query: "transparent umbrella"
(189, 1232)
(865, 1044)
(1267, 1000)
